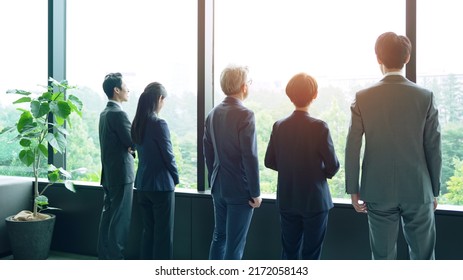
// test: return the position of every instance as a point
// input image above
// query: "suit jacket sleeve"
(248, 147)
(432, 147)
(270, 154)
(123, 128)
(353, 146)
(165, 145)
(328, 154)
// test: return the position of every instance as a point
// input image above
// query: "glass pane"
(146, 41)
(23, 59)
(440, 68)
(330, 40)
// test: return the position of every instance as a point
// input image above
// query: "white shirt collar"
(393, 73)
(115, 102)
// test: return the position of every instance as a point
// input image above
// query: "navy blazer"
(115, 140)
(157, 170)
(232, 164)
(301, 150)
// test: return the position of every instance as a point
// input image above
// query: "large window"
(330, 40)
(146, 41)
(23, 65)
(157, 41)
(440, 68)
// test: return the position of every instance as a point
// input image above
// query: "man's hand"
(359, 205)
(255, 202)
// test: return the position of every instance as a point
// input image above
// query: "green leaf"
(59, 121)
(64, 173)
(61, 139)
(22, 100)
(25, 121)
(46, 96)
(51, 168)
(39, 109)
(56, 83)
(75, 104)
(41, 200)
(53, 176)
(57, 96)
(57, 141)
(62, 130)
(25, 142)
(44, 150)
(8, 129)
(69, 185)
(53, 142)
(60, 109)
(18, 91)
(52, 208)
(26, 156)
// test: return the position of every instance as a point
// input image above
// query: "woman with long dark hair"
(157, 174)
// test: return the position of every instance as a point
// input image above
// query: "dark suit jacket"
(157, 170)
(402, 158)
(115, 139)
(301, 150)
(234, 168)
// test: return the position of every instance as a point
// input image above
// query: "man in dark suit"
(301, 150)
(402, 159)
(230, 150)
(117, 174)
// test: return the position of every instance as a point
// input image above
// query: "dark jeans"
(158, 224)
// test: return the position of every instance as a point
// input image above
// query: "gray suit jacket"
(402, 157)
(115, 139)
(232, 164)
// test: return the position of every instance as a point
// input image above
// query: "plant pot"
(30, 240)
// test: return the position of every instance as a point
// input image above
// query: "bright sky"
(149, 39)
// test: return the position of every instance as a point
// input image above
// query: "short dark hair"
(301, 89)
(111, 81)
(393, 50)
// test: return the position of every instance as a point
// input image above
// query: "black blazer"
(157, 170)
(115, 140)
(301, 150)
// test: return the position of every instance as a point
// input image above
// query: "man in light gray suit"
(400, 172)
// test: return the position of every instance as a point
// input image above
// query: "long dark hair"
(148, 104)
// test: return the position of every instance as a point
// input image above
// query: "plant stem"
(36, 184)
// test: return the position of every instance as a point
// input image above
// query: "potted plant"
(35, 132)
